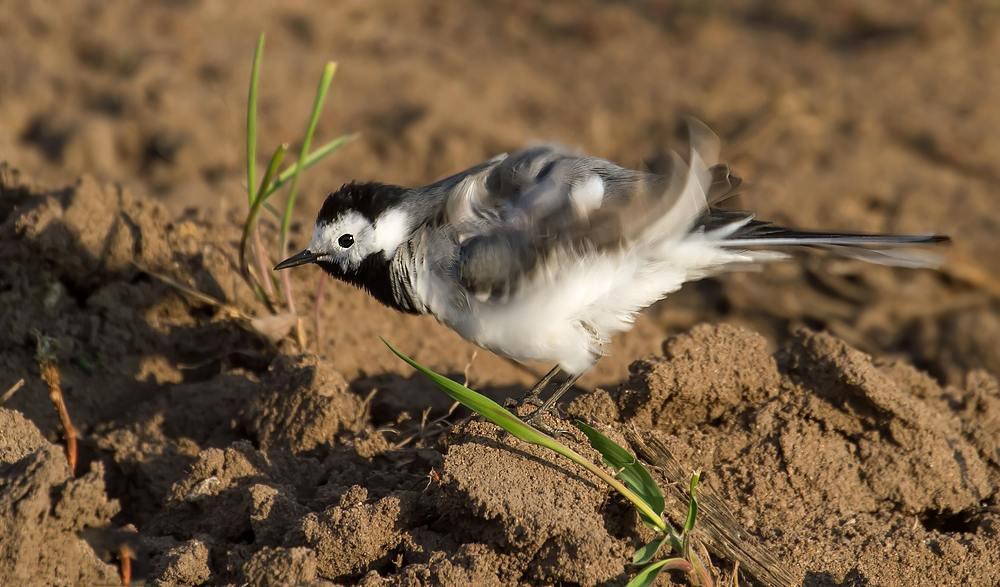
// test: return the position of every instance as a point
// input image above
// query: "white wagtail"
(544, 255)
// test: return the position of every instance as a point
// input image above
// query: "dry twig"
(10, 392)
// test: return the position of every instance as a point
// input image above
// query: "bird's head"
(360, 226)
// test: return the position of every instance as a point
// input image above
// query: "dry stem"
(318, 316)
(125, 555)
(10, 392)
(50, 375)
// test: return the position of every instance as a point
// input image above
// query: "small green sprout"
(258, 194)
(630, 479)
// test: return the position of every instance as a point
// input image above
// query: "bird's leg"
(532, 397)
(535, 418)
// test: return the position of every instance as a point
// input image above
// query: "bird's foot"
(533, 397)
(535, 420)
(547, 407)
(529, 399)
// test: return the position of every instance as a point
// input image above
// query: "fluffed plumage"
(545, 255)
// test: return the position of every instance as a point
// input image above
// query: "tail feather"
(707, 184)
(782, 237)
(834, 239)
(740, 230)
(891, 257)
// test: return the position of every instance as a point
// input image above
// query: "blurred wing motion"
(521, 211)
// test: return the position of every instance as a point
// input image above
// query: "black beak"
(302, 258)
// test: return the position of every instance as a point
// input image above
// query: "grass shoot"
(273, 181)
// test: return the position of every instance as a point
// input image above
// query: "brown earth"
(856, 438)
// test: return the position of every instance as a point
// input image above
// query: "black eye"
(346, 240)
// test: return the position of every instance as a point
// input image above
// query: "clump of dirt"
(705, 377)
(867, 469)
(46, 511)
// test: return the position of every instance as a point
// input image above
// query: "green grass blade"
(692, 504)
(495, 413)
(630, 471)
(484, 406)
(647, 576)
(267, 206)
(255, 205)
(648, 551)
(252, 120)
(700, 570)
(286, 221)
(312, 159)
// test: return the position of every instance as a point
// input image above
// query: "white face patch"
(587, 196)
(385, 236)
(391, 229)
(327, 237)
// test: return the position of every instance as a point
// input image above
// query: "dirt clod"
(46, 511)
(186, 564)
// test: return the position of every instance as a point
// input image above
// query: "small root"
(318, 314)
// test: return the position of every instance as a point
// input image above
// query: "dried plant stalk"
(45, 352)
(125, 555)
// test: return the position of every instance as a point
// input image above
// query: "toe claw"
(553, 432)
(535, 421)
(528, 399)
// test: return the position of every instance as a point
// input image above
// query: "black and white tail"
(750, 241)
(733, 229)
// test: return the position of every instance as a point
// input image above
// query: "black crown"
(368, 198)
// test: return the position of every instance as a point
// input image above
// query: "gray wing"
(511, 216)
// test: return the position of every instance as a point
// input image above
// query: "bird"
(544, 254)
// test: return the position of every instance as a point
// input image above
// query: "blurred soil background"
(848, 415)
